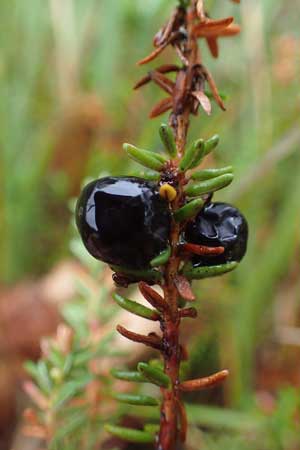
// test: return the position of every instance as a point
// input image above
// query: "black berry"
(219, 225)
(123, 221)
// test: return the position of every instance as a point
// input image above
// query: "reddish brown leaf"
(189, 312)
(232, 30)
(214, 89)
(163, 82)
(184, 288)
(164, 33)
(212, 27)
(151, 340)
(203, 100)
(204, 383)
(161, 107)
(166, 68)
(213, 46)
(152, 55)
(153, 297)
(202, 250)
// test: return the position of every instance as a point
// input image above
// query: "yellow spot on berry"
(168, 192)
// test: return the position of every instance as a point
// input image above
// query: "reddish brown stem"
(172, 430)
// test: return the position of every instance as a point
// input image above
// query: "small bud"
(56, 374)
(167, 192)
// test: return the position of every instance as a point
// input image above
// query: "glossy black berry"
(219, 225)
(123, 221)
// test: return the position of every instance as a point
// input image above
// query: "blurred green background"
(67, 68)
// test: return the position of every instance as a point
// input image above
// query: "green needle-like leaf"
(153, 374)
(147, 275)
(189, 210)
(207, 174)
(136, 308)
(127, 375)
(215, 184)
(151, 428)
(136, 399)
(44, 379)
(130, 435)
(144, 157)
(161, 259)
(193, 155)
(211, 144)
(167, 138)
(198, 273)
(149, 175)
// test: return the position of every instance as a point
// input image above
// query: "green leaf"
(207, 174)
(157, 363)
(31, 368)
(128, 375)
(136, 308)
(144, 157)
(189, 210)
(130, 435)
(70, 389)
(198, 273)
(152, 428)
(75, 422)
(147, 275)
(208, 186)
(211, 144)
(162, 258)
(167, 138)
(68, 364)
(56, 358)
(149, 175)
(193, 154)
(44, 379)
(136, 399)
(154, 375)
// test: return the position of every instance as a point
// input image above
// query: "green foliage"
(64, 375)
(263, 110)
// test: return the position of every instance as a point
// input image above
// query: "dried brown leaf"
(184, 288)
(214, 89)
(161, 107)
(213, 46)
(203, 100)
(204, 383)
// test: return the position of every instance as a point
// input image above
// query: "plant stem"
(172, 408)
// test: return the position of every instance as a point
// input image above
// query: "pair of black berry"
(125, 222)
